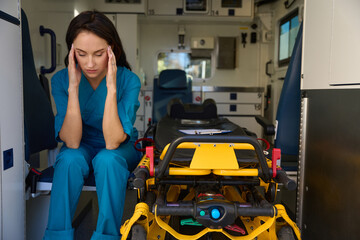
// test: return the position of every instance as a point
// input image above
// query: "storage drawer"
(238, 109)
(234, 97)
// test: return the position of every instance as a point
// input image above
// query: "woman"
(96, 98)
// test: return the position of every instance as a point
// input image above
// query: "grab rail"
(44, 70)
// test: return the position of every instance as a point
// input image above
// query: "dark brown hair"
(100, 25)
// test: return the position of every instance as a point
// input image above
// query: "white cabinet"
(158, 7)
(10, 7)
(12, 200)
(239, 105)
(344, 69)
(127, 27)
(242, 8)
(331, 44)
(135, 6)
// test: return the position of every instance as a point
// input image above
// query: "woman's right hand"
(73, 70)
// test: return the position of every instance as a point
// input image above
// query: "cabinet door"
(157, 7)
(127, 25)
(331, 44)
(344, 69)
(242, 8)
(135, 6)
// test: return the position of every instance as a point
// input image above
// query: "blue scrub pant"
(111, 170)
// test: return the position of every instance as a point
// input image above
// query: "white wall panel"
(11, 124)
(10, 7)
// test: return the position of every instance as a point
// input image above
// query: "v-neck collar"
(91, 99)
(88, 86)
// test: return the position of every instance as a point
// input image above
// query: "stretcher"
(212, 183)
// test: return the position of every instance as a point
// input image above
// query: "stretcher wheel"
(286, 233)
(138, 232)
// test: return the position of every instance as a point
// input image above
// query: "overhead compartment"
(230, 8)
(120, 6)
(202, 10)
(170, 8)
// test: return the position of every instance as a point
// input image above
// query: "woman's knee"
(109, 159)
(72, 159)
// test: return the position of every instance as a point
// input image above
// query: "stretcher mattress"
(168, 129)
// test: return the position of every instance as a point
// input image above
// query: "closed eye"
(99, 53)
(81, 53)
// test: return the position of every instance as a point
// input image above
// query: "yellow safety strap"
(140, 209)
(282, 213)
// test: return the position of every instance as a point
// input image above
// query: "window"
(199, 67)
(289, 27)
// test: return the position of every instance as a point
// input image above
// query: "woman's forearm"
(71, 130)
(112, 128)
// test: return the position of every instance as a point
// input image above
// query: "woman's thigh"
(75, 158)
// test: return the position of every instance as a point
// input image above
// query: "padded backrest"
(177, 109)
(38, 114)
(173, 79)
(171, 83)
(288, 113)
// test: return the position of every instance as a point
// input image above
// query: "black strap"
(9, 18)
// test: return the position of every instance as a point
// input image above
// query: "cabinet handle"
(267, 68)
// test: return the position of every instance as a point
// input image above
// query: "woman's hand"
(73, 70)
(113, 130)
(71, 130)
(112, 69)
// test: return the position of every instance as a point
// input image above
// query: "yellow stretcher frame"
(142, 209)
(157, 226)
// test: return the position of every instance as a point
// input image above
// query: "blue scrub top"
(92, 103)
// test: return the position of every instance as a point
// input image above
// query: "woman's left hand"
(112, 69)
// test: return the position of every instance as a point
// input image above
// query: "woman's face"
(91, 55)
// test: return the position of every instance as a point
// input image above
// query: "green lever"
(189, 221)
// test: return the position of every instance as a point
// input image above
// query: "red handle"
(150, 155)
(276, 155)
